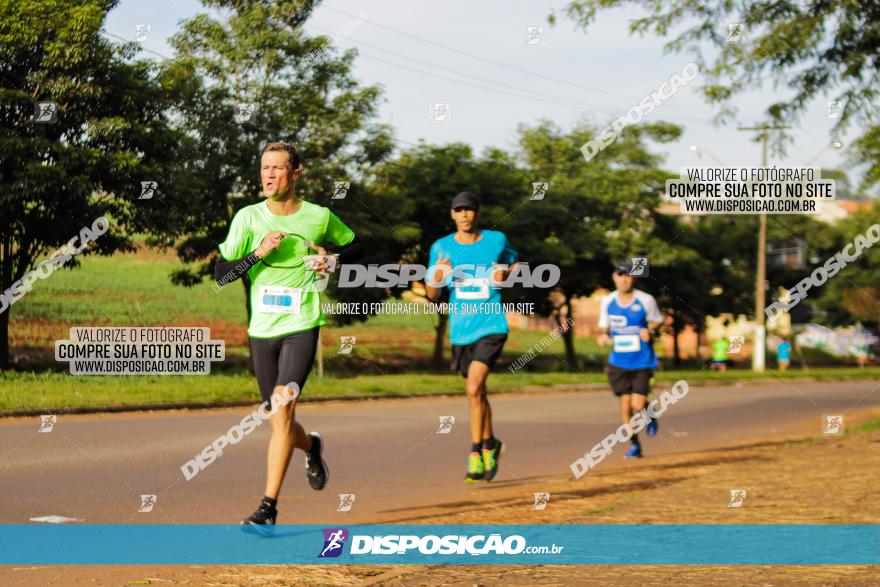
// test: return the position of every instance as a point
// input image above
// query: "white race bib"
(472, 289)
(627, 343)
(279, 300)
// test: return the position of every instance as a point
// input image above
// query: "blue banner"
(775, 544)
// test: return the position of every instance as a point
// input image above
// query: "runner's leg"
(625, 407)
(479, 406)
(639, 402)
(294, 363)
(487, 415)
(286, 434)
(475, 386)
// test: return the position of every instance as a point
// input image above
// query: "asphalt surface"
(387, 453)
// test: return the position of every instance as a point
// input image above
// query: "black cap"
(466, 200)
(623, 267)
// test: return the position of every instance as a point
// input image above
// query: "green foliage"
(809, 47)
(854, 293)
(302, 91)
(599, 212)
(112, 131)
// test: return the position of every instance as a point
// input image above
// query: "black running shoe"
(260, 522)
(316, 468)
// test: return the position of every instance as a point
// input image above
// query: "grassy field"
(23, 390)
(391, 357)
(135, 290)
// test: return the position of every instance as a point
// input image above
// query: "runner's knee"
(475, 391)
(283, 404)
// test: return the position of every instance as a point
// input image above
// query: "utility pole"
(760, 345)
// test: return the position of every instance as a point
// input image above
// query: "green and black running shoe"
(490, 461)
(475, 468)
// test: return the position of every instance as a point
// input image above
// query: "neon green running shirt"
(283, 297)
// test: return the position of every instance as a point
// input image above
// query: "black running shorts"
(626, 381)
(486, 350)
(285, 359)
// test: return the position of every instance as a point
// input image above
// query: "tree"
(422, 181)
(811, 47)
(867, 152)
(252, 76)
(593, 214)
(111, 131)
(854, 293)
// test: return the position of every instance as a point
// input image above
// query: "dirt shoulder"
(824, 480)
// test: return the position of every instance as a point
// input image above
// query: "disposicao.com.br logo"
(452, 544)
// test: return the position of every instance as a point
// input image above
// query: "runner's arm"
(228, 271)
(442, 266)
(347, 253)
(604, 322)
(654, 316)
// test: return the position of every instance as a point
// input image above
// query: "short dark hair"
(287, 148)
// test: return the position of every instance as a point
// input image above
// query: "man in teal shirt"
(473, 262)
(783, 354)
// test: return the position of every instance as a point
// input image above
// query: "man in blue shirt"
(476, 261)
(629, 317)
(783, 354)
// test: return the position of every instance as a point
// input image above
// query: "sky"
(474, 56)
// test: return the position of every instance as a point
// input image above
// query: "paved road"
(387, 453)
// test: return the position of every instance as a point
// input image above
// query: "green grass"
(869, 426)
(49, 390)
(124, 290)
(391, 357)
(135, 289)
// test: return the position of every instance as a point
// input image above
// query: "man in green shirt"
(267, 242)
(719, 355)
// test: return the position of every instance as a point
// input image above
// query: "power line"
(458, 81)
(440, 67)
(558, 100)
(165, 57)
(491, 61)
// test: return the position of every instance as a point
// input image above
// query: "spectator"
(719, 355)
(783, 354)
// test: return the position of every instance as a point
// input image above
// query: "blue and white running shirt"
(623, 323)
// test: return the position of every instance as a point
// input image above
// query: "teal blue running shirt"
(476, 305)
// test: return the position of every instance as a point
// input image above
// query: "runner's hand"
(444, 269)
(645, 334)
(603, 339)
(500, 273)
(327, 263)
(271, 242)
